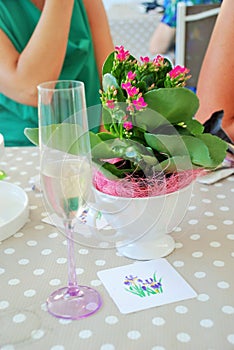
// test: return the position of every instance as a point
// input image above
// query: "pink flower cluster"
(129, 75)
(179, 73)
(134, 96)
(122, 55)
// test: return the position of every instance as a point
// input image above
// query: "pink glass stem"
(73, 288)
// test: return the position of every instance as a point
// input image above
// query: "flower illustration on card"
(143, 287)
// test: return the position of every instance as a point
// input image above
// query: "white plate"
(14, 209)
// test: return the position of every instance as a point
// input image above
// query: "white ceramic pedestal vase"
(142, 226)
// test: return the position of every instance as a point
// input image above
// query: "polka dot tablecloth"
(33, 263)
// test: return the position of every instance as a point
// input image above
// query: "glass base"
(144, 249)
(79, 304)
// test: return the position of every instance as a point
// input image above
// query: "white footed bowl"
(143, 225)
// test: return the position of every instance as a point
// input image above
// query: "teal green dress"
(18, 19)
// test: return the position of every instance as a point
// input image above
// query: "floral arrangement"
(151, 133)
(152, 144)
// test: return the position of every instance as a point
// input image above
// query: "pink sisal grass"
(131, 187)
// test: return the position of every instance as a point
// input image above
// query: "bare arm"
(102, 40)
(161, 39)
(21, 73)
(216, 80)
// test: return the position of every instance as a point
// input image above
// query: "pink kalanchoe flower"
(110, 104)
(132, 91)
(145, 59)
(130, 108)
(126, 86)
(122, 55)
(178, 71)
(139, 103)
(131, 75)
(158, 61)
(119, 48)
(127, 125)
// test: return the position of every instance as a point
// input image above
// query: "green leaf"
(148, 79)
(109, 80)
(203, 150)
(108, 172)
(199, 152)
(53, 135)
(112, 172)
(100, 149)
(32, 135)
(150, 160)
(104, 136)
(107, 119)
(149, 120)
(172, 145)
(175, 104)
(214, 143)
(174, 164)
(194, 127)
(108, 64)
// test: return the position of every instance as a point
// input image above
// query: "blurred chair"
(193, 30)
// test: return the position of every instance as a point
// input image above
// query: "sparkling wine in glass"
(66, 181)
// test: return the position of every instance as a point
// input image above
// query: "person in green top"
(44, 40)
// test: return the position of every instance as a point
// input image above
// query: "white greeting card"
(144, 285)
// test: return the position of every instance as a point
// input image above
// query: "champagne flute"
(66, 181)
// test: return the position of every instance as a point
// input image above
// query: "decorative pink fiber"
(131, 187)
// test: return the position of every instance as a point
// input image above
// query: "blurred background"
(132, 23)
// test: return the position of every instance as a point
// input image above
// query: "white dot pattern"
(207, 323)
(19, 318)
(181, 309)
(23, 262)
(228, 309)
(85, 334)
(38, 272)
(29, 293)
(107, 347)
(178, 263)
(33, 263)
(158, 321)
(183, 337)
(200, 274)
(223, 285)
(230, 338)
(134, 335)
(4, 304)
(111, 319)
(38, 334)
(203, 297)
